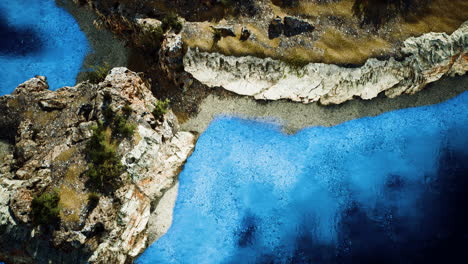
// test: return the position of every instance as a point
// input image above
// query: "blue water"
(39, 38)
(386, 189)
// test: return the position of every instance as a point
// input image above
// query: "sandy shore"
(106, 48)
(295, 116)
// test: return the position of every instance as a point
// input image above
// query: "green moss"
(45, 209)
(160, 108)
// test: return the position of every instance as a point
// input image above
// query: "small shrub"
(171, 21)
(160, 108)
(97, 148)
(97, 73)
(93, 200)
(121, 127)
(45, 209)
(151, 39)
(127, 110)
(119, 122)
(108, 114)
(104, 165)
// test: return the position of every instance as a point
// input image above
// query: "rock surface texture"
(426, 59)
(47, 133)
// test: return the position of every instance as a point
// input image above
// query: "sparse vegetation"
(45, 209)
(160, 108)
(171, 21)
(97, 73)
(151, 38)
(93, 200)
(240, 6)
(127, 110)
(119, 123)
(377, 12)
(121, 127)
(104, 165)
(339, 37)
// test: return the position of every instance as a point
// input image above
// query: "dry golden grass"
(342, 49)
(72, 200)
(334, 46)
(71, 203)
(308, 8)
(440, 16)
(66, 155)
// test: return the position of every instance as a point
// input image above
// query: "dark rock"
(275, 29)
(285, 3)
(224, 31)
(51, 104)
(245, 34)
(294, 26)
(85, 111)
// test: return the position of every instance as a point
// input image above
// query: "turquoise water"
(39, 38)
(386, 189)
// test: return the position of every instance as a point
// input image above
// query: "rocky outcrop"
(171, 57)
(48, 152)
(426, 59)
(275, 29)
(294, 26)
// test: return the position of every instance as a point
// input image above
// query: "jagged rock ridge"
(427, 59)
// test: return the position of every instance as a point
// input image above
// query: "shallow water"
(39, 38)
(386, 189)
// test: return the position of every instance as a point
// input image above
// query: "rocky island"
(91, 172)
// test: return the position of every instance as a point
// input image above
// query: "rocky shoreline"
(51, 154)
(46, 132)
(294, 116)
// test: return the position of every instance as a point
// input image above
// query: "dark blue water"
(386, 189)
(39, 38)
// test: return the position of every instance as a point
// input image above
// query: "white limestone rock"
(428, 58)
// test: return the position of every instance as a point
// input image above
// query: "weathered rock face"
(48, 152)
(427, 59)
(171, 57)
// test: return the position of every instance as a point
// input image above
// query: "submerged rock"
(51, 131)
(427, 59)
